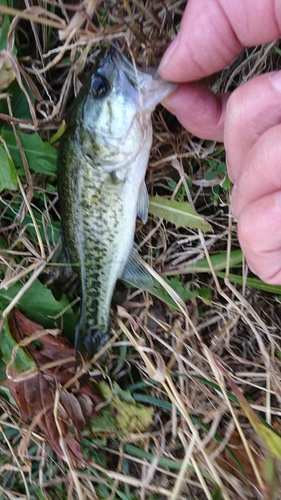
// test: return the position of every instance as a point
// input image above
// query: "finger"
(199, 110)
(212, 33)
(261, 175)
(260, 237)
(251, 110)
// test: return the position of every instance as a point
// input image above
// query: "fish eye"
(99, 87)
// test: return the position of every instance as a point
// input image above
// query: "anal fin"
(136, 275)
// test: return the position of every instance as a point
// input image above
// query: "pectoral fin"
(62, 276)
(142, 207)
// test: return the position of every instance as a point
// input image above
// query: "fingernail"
(168, 54)
(276, 80)
(168, 104)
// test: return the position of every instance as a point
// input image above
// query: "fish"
(102, 161)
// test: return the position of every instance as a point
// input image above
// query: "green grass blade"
(219, 262)
(255, 283)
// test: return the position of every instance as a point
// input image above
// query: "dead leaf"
(267, 435)
(35, 396)
(7, 73)
(242, 469)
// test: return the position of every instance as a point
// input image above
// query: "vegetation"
(191, 385)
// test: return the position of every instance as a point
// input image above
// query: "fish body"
(102, 161)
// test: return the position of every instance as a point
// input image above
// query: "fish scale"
(102, 161)
(101, 237)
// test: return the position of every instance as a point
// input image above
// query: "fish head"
(116, 110)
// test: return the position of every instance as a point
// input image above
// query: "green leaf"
(221, 168)
(179, 213)
(39, 304)
(226, 183)
(210, 175)
(19, 104)
(104, 423)
(8, 177)
(133, 417)
(41, 156)
(2, 371)
(212, 164)
(22, 361)
(128, 416)
(4, 27)
(183, 291)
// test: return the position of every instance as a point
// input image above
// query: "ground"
(192, 377)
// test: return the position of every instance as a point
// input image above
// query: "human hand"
(248, 121)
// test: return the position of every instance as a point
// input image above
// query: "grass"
(209, 368)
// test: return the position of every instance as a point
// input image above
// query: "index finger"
(213, 33)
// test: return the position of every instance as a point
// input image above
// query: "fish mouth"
(122, 62)
(150, 86)
(115, 65)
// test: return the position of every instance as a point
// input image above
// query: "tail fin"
(88, 343)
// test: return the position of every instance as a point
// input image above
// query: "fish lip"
(148, 83)
(123, 64)
(150, 87)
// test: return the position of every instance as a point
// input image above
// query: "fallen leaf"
(268, 436)
(239, 464)
(35, 395)
(7, 72)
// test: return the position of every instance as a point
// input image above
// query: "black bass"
(102, 161)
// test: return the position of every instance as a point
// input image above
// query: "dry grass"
(180, 361)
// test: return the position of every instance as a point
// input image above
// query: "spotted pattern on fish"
(102, 161)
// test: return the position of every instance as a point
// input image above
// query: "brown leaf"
(228, 463)
(35, 395)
